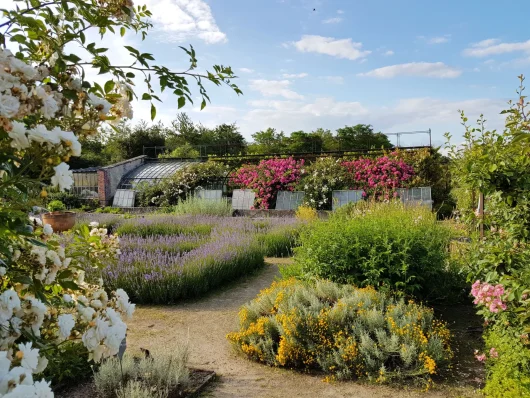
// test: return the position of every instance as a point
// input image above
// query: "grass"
(197, 206)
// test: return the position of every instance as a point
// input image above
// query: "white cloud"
(435, 39)
(340, 12)
(489, 47)
(246, 70)
(409, 114)
(334, 79)
(271, 88)
(340, 48)
(388, 53)
(294, 75)
(424, 69)
(180, 20)
(332, 20)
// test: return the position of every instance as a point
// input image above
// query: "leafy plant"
(162, 375)
(346, 332)
(385, 245)
(56, 205)
(194, 205)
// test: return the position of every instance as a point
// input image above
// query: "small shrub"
(306, 213)
(70, 200)
(508, 365)
(56, 205)
(346, 332)
(279, 241)
(109, 210)
(197, 206)
(159, 225)
(386, 245)
(68, 364)
(157, 376)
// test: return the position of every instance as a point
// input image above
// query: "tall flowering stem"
(268, 178)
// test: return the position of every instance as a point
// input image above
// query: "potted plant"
(59, 219)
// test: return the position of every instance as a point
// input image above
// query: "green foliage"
(508, 372)
(346, 332)
(320, 179)
(182, 184)
(56, 205)
(361, 136)
(386, 245)
(185, 151)
(165, 374)
(194, 205)
(157, 226)
(70, 200)
(68, 364)
(280, 241)
(109, 210)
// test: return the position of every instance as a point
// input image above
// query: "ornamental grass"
(343, 331)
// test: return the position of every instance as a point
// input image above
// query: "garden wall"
(109, 177)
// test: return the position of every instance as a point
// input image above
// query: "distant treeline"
(184, 138)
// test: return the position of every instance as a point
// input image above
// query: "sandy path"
(205, 323)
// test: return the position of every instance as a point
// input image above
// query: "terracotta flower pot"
(60, 221)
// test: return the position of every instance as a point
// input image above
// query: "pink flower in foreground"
(480, 357)
(494, 353)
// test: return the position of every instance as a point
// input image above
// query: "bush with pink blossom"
(378, 177)
(268, 178)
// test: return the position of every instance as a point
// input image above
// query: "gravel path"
(205, 323)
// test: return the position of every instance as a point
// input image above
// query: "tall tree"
(361, 136)
(268, 141)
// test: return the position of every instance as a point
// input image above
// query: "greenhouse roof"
(150, 172)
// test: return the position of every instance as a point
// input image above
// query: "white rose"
(30, 356)
(63, 177)
(9, 105)
(67, 298)
(18, 135)
(47, 229)
(66, 323)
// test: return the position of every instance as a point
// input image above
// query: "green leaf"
(122, 31)
(493, 167)
(181, 102)
(153, 112)
(109, 86)
(146, 97)
(24, 279)
(203, 104)
(69, 285)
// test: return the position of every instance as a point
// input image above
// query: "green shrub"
(346, 332)
(68, 364)
(56, 205)
(70, 200)
(508, 370)
(109, 210)
(279, 241)
(386, 245)
(163, 375)
(152, 226)
(197, 206)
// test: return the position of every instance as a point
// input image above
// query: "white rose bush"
(47, 109)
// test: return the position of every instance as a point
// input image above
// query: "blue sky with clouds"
(399, 65)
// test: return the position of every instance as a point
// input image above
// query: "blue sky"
(399, 65)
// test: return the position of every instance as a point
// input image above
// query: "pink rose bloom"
(494, 353)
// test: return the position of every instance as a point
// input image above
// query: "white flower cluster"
(93, 317)
(23, 92)
(109, 245)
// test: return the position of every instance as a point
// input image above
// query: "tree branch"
(9, 21)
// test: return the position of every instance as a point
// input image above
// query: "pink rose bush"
(381, 176)
(268, 178)
(489, 296)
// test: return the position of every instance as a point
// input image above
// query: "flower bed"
(346, 332)
(167, 258)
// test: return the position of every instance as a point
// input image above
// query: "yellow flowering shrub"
(306, 213)
(344, 331)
